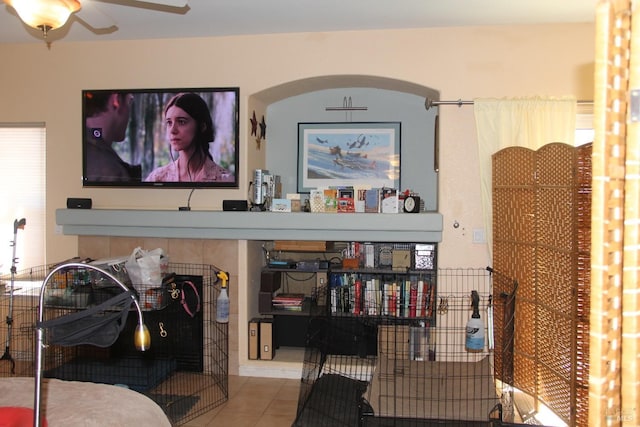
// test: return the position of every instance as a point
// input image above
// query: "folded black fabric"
(99, 325)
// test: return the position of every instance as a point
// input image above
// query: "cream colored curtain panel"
(614, 380)
(523, 122)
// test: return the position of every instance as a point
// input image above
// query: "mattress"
(138, 374)
(432, 390)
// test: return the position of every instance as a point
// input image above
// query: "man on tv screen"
(107, 117)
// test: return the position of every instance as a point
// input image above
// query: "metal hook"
(443, 307)
(163, 331)
(174, 291)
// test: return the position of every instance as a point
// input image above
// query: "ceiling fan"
(47, 15)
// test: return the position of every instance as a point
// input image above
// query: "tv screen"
(175, 138)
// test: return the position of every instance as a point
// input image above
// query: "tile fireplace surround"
(202, 237)
(220, 253)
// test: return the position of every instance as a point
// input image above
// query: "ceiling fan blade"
(142, 3)
(94, 17)
(172, 3)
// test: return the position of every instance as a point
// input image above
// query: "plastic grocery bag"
(146, 267)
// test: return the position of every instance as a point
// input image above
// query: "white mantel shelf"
(401, 227)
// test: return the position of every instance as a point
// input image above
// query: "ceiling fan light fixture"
(44, 14)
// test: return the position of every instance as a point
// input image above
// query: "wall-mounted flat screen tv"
(167, 138)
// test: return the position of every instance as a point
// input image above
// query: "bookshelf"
(352, 281)
(407, 295)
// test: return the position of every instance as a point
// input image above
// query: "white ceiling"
(120, 20)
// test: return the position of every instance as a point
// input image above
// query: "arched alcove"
(387, 100)
(305, 100)
(313, 84)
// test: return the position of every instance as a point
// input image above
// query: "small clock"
(411, 204)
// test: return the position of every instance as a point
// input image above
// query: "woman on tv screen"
(189, 129)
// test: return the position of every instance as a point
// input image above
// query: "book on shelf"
(373, 297)
(430, 301)
(362, 295)
(359, 200)
(288, 298)
(357, 303)
(346, 199)
(386, 290)
(369, 255)
(288, 307)
(420, 309)
(413, 299)
(372, 200)
(330, 200)
(333, 298)
(345, 301)
(389, 200)
(316, 200)
(419, 338)
(393, 300)
(288, 302)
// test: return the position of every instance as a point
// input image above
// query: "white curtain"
(523, 122)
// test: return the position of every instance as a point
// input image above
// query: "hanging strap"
(99, 325)
(191, 312)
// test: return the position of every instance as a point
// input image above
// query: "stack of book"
(347, 199)
(361, 295)
(288, 302)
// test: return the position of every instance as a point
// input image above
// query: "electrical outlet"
(58, 229)
(478, 235)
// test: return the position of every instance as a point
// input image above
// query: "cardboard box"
(254, 339)
(350, 263)
(424, 257)
(393, 341)
(401, 258)
(264, 302)
(302, 245)
(267, 351)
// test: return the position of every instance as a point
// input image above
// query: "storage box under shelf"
(302, 245)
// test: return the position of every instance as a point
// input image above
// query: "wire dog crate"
(186, 369)
(395, 371)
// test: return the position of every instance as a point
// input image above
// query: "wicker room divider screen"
(614, 395)
(541, 237)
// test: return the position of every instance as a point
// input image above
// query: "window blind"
(22, 186)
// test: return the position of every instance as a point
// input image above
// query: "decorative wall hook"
(263, 129)
(254, 124)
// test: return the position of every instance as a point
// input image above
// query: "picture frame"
(357, 154)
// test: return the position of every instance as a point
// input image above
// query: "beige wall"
(44, 85)
(40, 84)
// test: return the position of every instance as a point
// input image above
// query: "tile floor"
(254, 402)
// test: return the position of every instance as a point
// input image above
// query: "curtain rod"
(428, 103)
